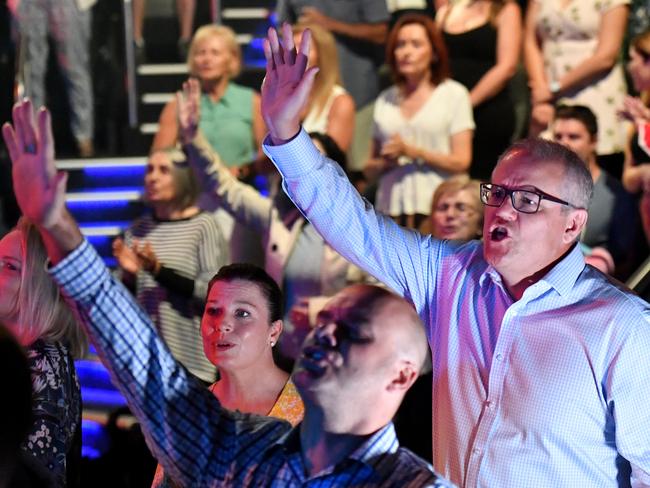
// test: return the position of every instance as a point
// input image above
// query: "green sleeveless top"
(228, 124)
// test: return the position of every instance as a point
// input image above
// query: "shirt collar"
(561, 277)
(381, 442)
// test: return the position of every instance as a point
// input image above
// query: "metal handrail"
(129, 50)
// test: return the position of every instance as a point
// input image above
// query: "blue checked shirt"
(199, 443)
(548, 391)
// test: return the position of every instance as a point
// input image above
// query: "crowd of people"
(483, 272)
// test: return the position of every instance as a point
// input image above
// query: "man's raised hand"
(287, 84)
(39, 188)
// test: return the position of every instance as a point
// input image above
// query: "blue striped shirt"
(545, 391)
(197, 441)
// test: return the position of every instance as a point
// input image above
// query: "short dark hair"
(439, 67)
(578, 183)
(254, 274)
(581, 114)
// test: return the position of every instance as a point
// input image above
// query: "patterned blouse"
(56, 407)
(288, 407)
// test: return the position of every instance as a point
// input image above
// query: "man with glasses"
(540, 364)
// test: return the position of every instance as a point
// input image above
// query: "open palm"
(39, 188)
(286, 86)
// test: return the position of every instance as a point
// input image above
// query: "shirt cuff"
(294, 158)
(80, 272)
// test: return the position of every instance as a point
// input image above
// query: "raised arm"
(320, 188)
(186, 428)
(242, 201)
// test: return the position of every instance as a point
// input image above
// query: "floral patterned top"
(56, 407)
(287, 407)
(568, 35)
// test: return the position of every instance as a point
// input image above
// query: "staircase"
(104, 194)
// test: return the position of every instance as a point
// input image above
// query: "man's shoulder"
(613, 294)
(410, 470)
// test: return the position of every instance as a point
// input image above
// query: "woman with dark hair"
(422, 124)
(33, 309)
(241, 325)
(483, 38)
(168, 256)
(295, 255)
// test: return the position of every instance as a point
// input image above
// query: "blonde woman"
(456, 209)
(331, 108)
(33, 309)
(230, 113)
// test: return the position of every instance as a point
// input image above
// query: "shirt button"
(489, 404)
(499, 357)
(476, 451)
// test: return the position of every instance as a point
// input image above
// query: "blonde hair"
(329, 73)
(229, 38)
(42, 311)
(456, 184)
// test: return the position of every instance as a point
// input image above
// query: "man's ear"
(406, 375)
(576, 221)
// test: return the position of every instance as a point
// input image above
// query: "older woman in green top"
(230, 113)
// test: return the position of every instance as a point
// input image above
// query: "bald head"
(396, 321)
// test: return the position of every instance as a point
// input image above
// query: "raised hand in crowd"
(38, 186)
(287, 84)
(634, 110)
(188, 102)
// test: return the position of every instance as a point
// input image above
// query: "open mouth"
(314, 360)
(498, 234)
(224, 346)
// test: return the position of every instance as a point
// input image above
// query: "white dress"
(316, 121)
(408, 188)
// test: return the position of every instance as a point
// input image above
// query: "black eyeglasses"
(525, 201)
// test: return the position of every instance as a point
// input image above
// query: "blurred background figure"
(636, 174)
(331, 108)
(230, 120)
(67, 23)
(16, 470)
(167, 258)
(456, 210)
(33, 309)
(241, 325)
(571, 51)
(422, 124)
(230, 113)
(360, 30)
(613, 222)
(483, 39)
(185, 11)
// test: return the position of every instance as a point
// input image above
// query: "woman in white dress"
(423, 124)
